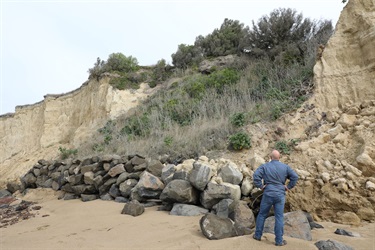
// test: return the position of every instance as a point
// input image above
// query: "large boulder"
(167, 173)
(215, 228)
(155, 167)
(216, 192)
(243, 217)
(179, 191)
(200, 175)
(127, 186)
(148, 187)
(133, 208)
(221, 209)
(332, 245)
(296, 225)
(230, 173)
(187, 210)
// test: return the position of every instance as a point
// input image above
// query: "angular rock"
(215, 228)
(344, 232)
(149, 186)
(69, 196)
(332, 245)
(243, 217)
(221, 209)
(200, 175)
(75, 179)
(88, 178)
(155, 167)
(29, 180)
(230, 173)
(137, 160)
(116, 170)
(133, 208)
(122, 177)
(179, 191)
(92, 167)
(187, 210)
(120, 199)
(5, 193)
(88, 197)
(127, 186)
(167, 173)
(114, 191)
(216, 192)
(83, 189)
(104, 188)
(348, 218)
(129, 167)
(106, 197)
(296, 225)
(181, 174)
(13, 187)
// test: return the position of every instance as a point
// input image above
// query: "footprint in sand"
(42, 227)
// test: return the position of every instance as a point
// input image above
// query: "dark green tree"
(285, 35)
(186, 55)
(229, 39)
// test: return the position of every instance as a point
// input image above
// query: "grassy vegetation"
(198, 112)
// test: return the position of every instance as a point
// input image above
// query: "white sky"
(48, 46)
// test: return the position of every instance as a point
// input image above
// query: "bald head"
(275, 155)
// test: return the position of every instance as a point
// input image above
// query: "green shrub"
(283, 147)
(238, 119)
(137, 126)
(65, 153)
(240, 141)
(168, 141)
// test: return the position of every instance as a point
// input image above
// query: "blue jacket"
(274, 175)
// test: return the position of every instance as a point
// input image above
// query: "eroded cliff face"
(36, 131)
(334, 131)
(345, 74)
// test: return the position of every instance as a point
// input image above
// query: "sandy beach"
(99, 224)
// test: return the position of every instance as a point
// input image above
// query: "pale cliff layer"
(36, 131)
(346, 72)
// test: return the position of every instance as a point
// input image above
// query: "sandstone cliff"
(36, 131)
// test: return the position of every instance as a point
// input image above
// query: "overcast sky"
(48, 46)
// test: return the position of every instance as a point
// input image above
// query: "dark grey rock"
(88, 197)
(149, 186)
(120, 199)
(142, 167)
(332, 245)
(214, 193)
(137, 160)
(70, 196)
(133, 208)
(29, 180)
(129, 167)
(187, 210)
(106, 197)
(243, 217)
(13, 187)
(181, 174)
(221, 209)
(296, 225)
(86, 161)
(215, 228)
(122, 177)
(114, 191)
(200, 175)
(155, 167)
(167, 173)
(5, 193)
(346, 233)
(179, 191)
(127, 186)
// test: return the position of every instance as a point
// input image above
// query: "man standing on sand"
(274, 175)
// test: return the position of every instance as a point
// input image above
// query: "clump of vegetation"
(199, 112)
(286, 147)
(239, 141)
(66, 153)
